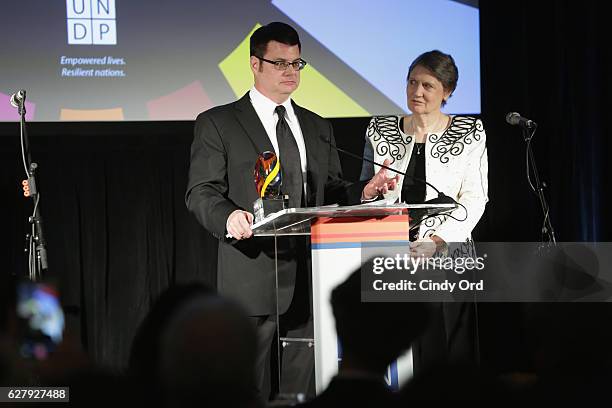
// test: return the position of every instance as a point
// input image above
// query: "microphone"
(18, 98)
(441, 199)
(514, 118)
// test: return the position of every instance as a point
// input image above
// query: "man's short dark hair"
(276, 31)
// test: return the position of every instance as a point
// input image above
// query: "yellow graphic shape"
(76, 115)
(315, 92)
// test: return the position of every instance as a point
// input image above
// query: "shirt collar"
(260, 101)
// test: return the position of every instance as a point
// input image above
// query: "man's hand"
(380, 183)
(239, 224)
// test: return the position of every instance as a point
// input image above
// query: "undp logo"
(91, 22)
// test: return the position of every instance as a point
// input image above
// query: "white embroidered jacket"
(455, 163)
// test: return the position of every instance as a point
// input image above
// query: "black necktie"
(291, 166)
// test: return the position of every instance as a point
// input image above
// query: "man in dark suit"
(221, 191)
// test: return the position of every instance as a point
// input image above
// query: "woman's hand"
(426, 247)
(380, 183)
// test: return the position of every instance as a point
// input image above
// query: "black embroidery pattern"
(455, 250)
(463, 130)
(465, 249)
(431, 223)
(393, 143)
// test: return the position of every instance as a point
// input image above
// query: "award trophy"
(268, 179)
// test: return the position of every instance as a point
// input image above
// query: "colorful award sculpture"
(268, 180)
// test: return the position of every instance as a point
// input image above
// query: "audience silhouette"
(207, 355)
(372, 336)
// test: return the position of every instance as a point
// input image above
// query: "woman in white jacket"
(450, 153)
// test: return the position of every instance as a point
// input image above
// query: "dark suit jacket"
(226, 144)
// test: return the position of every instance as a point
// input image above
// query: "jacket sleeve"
(207, 187)
(367, 168)
(473, 194)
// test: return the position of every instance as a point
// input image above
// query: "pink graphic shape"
(182, 104)
(9, 113)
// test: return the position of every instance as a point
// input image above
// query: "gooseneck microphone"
(18, 98)
(36, 243)
(441, 199)
(515, 118)
(528, 128)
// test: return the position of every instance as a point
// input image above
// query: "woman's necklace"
(419, 146)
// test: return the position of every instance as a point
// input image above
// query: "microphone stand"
(37, 245)
(548, 231)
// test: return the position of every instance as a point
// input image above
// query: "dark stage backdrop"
(550, 61)
(118, 231)
(112, 193)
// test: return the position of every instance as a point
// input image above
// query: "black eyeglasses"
(297, 65)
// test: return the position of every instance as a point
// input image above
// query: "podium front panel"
(336, 252)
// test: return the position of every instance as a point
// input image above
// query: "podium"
(337, 236)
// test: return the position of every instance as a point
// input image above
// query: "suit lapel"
(311, 136)
(253, 128)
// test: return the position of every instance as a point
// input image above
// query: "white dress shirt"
(265, 107)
